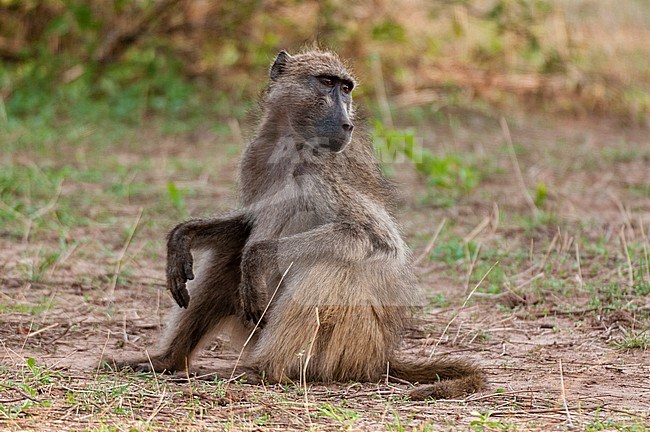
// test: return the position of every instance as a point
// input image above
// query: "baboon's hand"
(179, 267)
(251, 304)
(257, 262)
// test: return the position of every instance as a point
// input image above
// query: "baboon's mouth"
(336, 144)
(343, 146)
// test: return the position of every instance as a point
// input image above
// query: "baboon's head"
(311, 92)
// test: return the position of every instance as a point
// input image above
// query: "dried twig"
(120, 259)
(543, 411)
(433, 351)
(429, 245)
(548, 252)
(51, 326)
(515, 163)
(563, 393)
(380, 90)
(627, 255)
(471, 265)
(477, 230)
(257, 324)
(621, 208)
(158, 408)
(645, 251)
(304, 370)
(51, 205)
(101, 357)
(580, 280)
(572, 312)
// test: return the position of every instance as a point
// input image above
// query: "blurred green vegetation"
(67, 63)
(450, 174)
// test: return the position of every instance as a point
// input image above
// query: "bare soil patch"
(562, 329)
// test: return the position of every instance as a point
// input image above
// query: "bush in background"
(128, 59)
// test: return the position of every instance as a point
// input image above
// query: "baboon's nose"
(347, 126)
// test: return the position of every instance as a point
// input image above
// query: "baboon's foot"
(153, 364)
(241, 373)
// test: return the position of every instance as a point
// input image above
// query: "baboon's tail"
(443, 379)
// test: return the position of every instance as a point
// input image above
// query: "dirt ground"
(563, 340)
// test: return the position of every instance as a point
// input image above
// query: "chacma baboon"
(315, 236)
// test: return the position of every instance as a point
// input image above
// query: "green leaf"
(175, 195)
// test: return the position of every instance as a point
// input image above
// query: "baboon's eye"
(329, 82)
(346, 88)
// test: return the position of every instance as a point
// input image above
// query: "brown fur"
(325, 213)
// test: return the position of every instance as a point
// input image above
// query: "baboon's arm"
(338, 241)
(334, 241)
(197, 233)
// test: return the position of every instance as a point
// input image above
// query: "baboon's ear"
(279, 64)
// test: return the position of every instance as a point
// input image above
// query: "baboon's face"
(331, 118)
(314, 92)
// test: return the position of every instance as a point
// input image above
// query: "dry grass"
(558, 325)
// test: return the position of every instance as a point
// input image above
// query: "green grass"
(484, 422)
(635, 340)
(447, 177)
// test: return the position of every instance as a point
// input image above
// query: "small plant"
(439, 300)
(634, 340)
(176, 196)
(45, 264)
(13, 411)
(29, 389)
(449, 172)
(40, 374)
(541, 194)
(343, 416)
(484, 422)
(541, 219)
(454, 251)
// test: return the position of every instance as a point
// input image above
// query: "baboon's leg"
(336, 242)
(214, 292)
(334, 313)
(338, 268)
(214, 297)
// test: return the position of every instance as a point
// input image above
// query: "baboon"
(314, 239)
